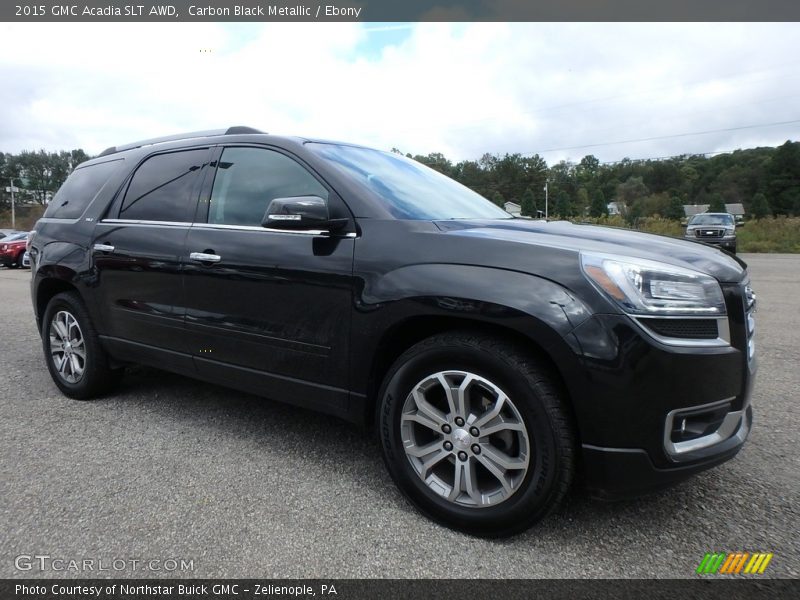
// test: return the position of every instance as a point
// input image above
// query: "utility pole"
(545, 200)
(13, 216)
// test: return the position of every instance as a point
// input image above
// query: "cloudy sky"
(561, 90)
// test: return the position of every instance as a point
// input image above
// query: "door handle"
(204, 257)
(103, 248)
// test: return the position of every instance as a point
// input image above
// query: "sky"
(562, 90)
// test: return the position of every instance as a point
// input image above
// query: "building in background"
(737, 210)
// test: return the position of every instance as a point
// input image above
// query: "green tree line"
(765, 180)
(37, 174)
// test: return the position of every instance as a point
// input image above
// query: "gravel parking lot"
(170, 468)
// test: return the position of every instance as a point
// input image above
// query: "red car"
(12, 249)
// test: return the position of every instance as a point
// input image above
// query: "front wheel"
(475, 434)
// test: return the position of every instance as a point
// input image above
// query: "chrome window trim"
(723, 332)
(726, 429)
(312, 232)
(58, 220)
(147, 223)
(316, 232)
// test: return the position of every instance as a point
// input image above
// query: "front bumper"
(728, 243)
(620, 473)
(7, 258)
(651, 414)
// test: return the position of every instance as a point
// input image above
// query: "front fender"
(530, 306)
(452, 285)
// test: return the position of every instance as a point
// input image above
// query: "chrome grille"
(707, 232)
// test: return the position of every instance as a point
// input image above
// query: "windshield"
(406, 188)
(712, 220)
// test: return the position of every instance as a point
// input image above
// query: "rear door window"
(80, 188)
(163, 187)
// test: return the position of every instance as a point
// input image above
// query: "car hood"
(607, 240)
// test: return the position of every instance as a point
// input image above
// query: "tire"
(531, 436)
(17, 262)
(82, 378)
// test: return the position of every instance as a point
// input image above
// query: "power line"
(664, 117)
(664, 137)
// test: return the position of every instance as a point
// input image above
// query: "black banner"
(402, 10)
(346, 589)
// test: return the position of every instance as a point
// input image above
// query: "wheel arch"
(408, 332)
(46, 289)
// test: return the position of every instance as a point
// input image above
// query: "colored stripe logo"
(734, 563)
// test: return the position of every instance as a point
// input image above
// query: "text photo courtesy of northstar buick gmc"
(491, 355)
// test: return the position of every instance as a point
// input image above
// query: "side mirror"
(300, 212)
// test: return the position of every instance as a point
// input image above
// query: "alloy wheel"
(67, 347)
(465, 439)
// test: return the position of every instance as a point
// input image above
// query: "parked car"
(12, 248)
(7, 232)
(713, 228)
(491, 354)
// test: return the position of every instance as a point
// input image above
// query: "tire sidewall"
(532, 500)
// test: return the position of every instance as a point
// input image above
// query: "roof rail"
(235, 130)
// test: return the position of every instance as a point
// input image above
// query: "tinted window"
(15, 237)
(716, 219)
(161, 188)
(80, 189)
(406, 188)
(248, 179)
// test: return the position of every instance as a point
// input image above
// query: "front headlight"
(729, 231)
(646, 287)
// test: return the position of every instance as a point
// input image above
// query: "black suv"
(494, 356)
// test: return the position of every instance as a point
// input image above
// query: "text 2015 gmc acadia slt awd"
(493, 355)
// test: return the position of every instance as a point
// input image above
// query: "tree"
(784, 175)
(528, 204)
(599, 206)
(436, 161)
(663, 176)
(632, 190)
(588, 169)
(44, 172)
(563, 207)
(759, 207)
(717, 204)
(581, 204)
(498, 199)
(675, 210)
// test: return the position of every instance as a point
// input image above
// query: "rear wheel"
(475, 434)
(75, 358)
